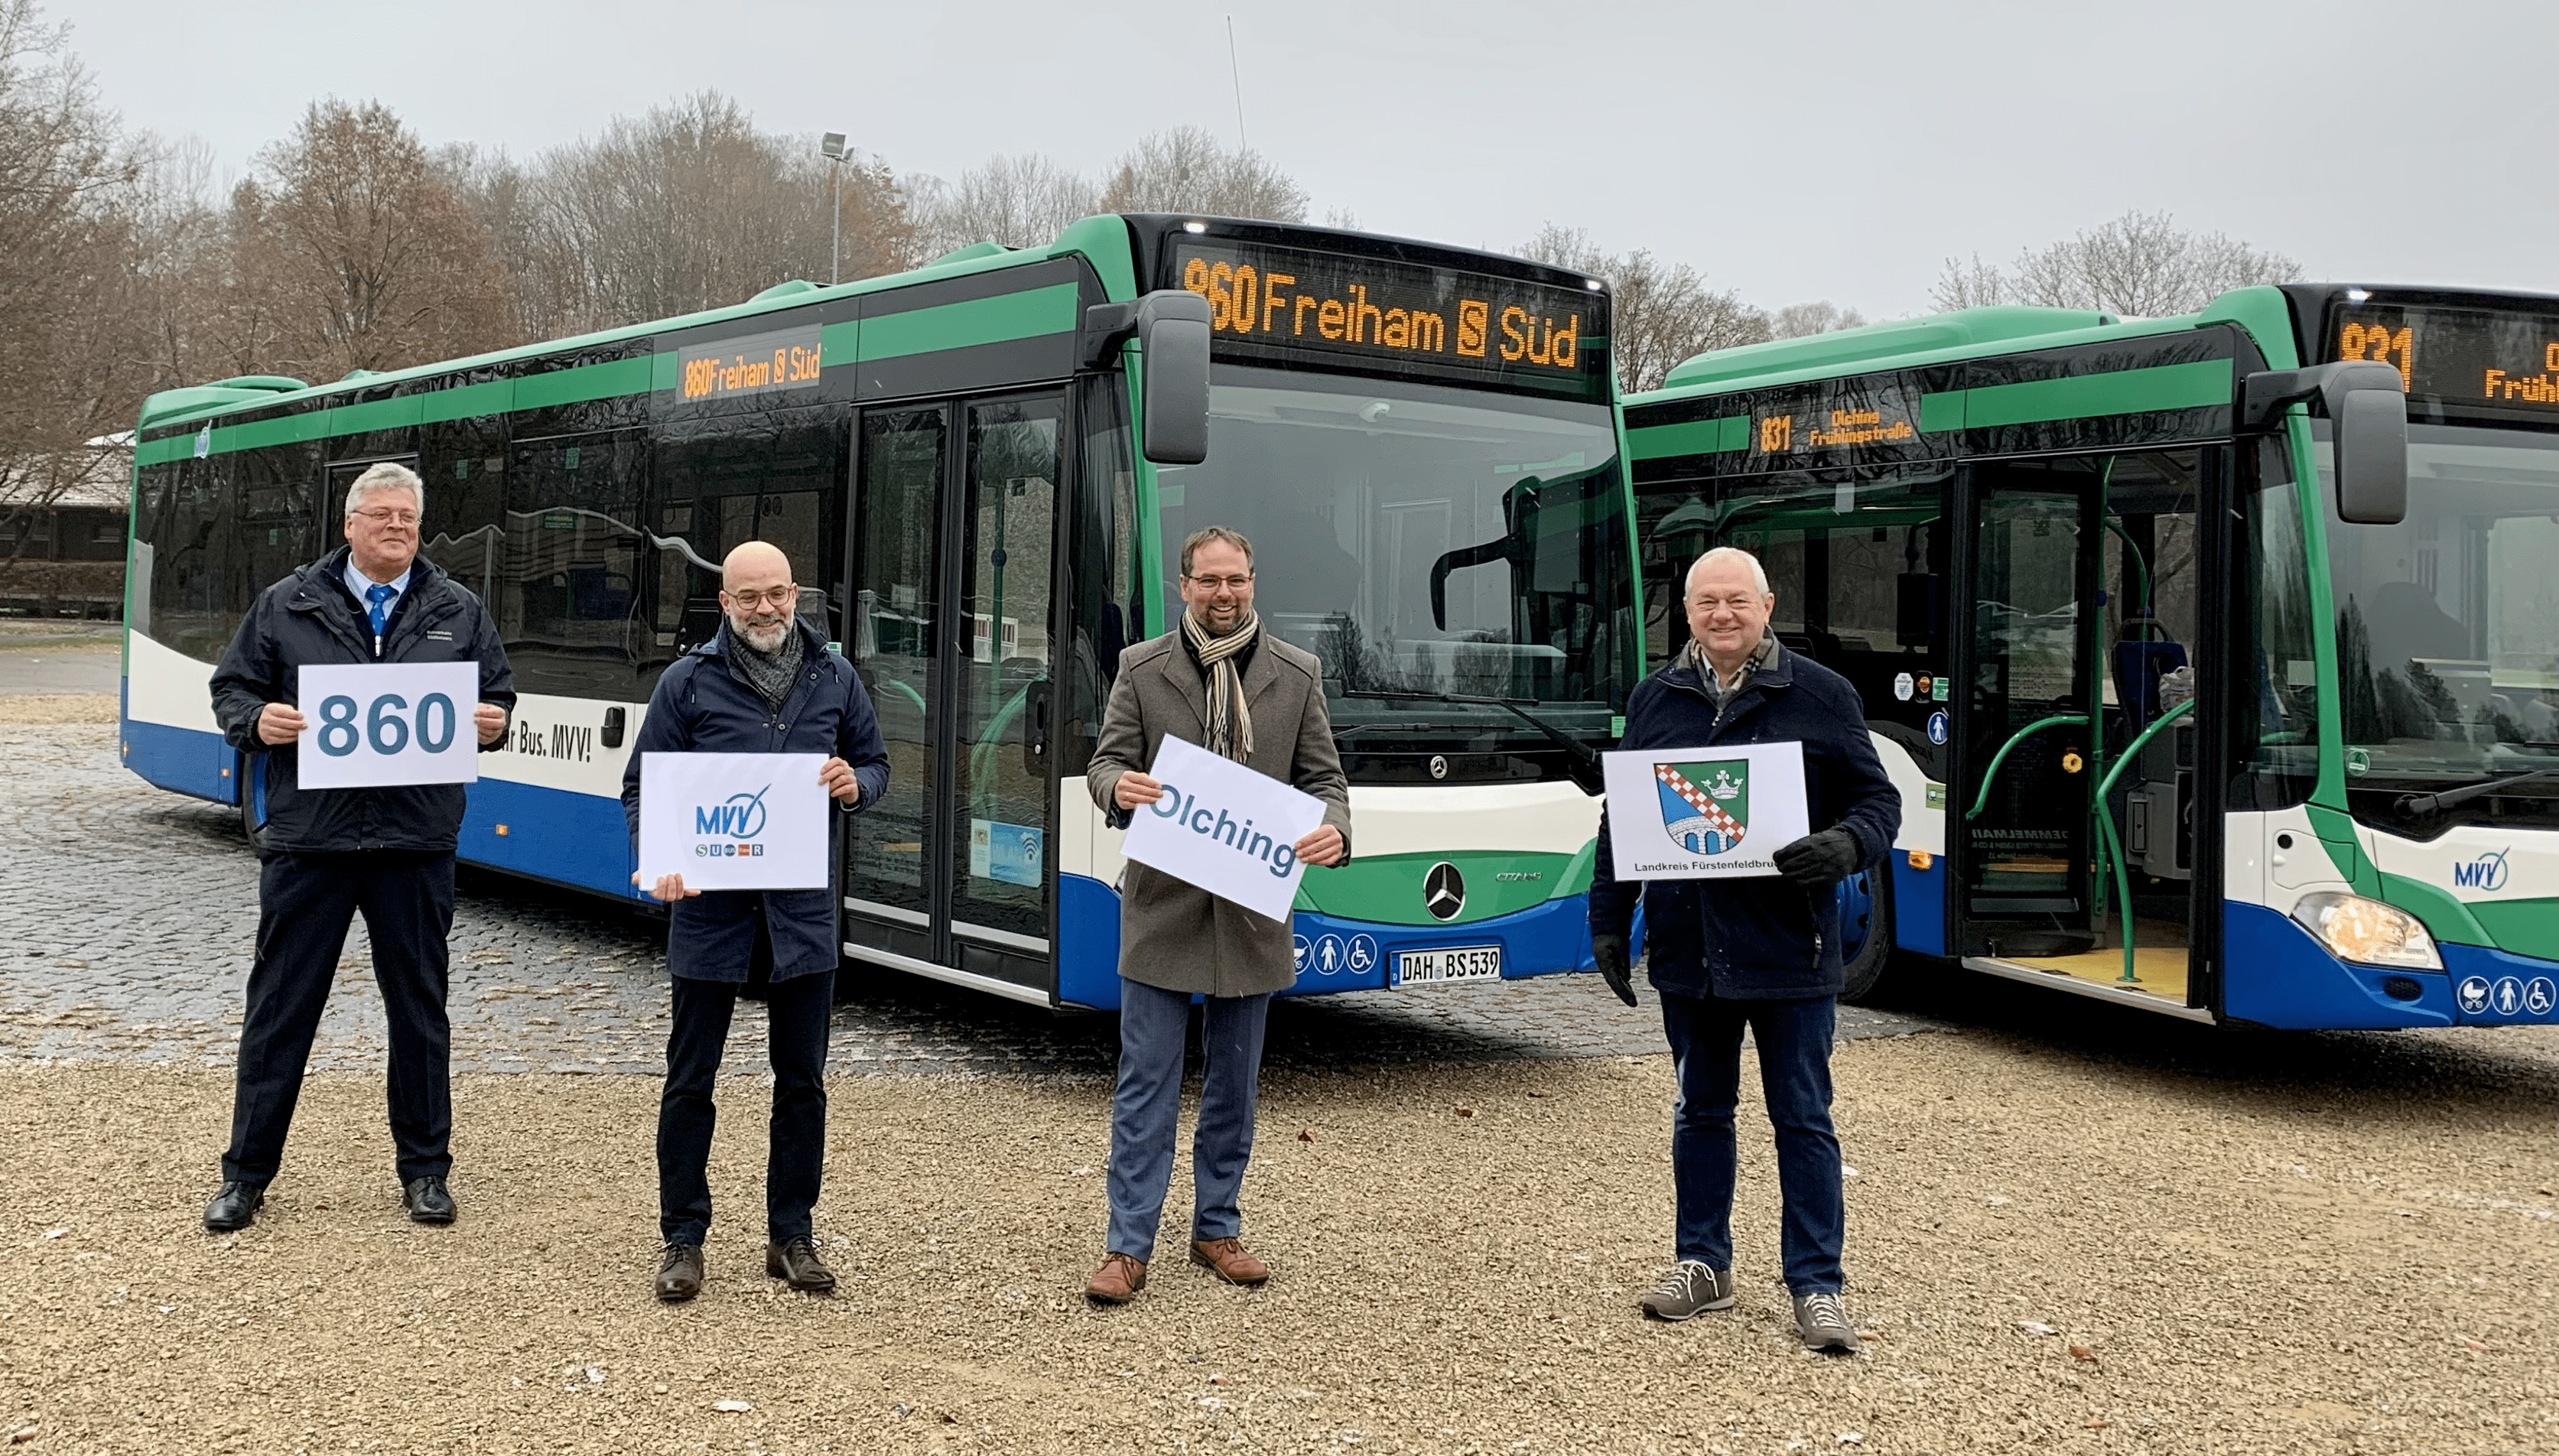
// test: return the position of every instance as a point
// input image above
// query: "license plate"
(1448, 964)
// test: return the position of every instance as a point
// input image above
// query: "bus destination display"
(758, 364)
(1872, 418)
(1294, 306)
(2466, 359)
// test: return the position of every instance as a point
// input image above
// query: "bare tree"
(1186, 170)
(2141, 265)
(68, 181)
(1663, 313)
(1019, 200)
(1799, 319)
(374, 261)
(691, 208)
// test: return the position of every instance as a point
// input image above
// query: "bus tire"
(1862, 972)
(251, 767)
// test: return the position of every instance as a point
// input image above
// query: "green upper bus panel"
(1102, 243)
(1849, 351)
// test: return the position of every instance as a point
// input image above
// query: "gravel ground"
(48, 709)
(2223, 1242)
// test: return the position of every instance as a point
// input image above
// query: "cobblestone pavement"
(129, 931)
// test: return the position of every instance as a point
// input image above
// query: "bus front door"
(2021, 832)
(948, 618)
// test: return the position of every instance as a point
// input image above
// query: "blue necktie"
(381, 597)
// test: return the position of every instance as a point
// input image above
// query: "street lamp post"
(833, 144)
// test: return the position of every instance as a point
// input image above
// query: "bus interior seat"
(2139, 666)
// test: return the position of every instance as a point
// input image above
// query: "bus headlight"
(2367, 931)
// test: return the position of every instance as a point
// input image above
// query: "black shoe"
(797, 1261)
(679, 1272)
(234, 1208)
(427, 1200)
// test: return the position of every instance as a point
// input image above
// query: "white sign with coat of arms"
(1703, 813)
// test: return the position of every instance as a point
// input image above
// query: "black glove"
(1611, 952)
(1819, 861)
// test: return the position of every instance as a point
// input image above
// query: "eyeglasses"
(1231, 583)
(780, 596)
(388, 517)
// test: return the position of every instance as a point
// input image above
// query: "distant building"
(62, 528)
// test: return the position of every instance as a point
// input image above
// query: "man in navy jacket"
(1757, 952)
(766, 683)
(325, 853)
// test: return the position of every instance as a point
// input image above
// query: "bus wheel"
(1865, 932)
(252, 778)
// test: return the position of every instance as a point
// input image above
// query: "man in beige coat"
(1216, 681)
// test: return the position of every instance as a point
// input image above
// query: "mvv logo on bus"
(2487, 872)
(730, 826)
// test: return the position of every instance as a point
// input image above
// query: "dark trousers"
(795, 1161)
(1795, 1044)
(1145, 1109)
(305, 904)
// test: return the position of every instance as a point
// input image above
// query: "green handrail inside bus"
(2114, 846)
(1982, 801)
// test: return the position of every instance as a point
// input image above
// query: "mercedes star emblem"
(1438, 767)
(1443, 891)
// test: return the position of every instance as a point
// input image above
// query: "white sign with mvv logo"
(734, 820)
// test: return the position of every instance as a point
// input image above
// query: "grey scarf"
(769, 673)
(1230, 724)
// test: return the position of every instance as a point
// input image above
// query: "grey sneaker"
(1822, 1319)
(1690, 1289)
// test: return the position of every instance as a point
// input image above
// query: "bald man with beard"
(766, 683)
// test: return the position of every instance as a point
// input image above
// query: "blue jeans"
(1146, 1109)
(1794, 1045)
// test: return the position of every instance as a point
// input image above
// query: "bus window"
(190, 558)
(1859, 591)
(570, 605)
(463, 465)
(2278, 695)
(755, 479)
(1104, 578)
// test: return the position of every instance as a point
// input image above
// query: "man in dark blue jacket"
(326, 854)
(764, 684)
(1757, 952)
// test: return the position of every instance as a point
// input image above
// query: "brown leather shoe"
(1118, 1281)
(679, 1272)
(796, 1261)
(1232, 1262)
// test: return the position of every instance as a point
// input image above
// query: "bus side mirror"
(1172, 331)
(2367, 406)
(2371, 455)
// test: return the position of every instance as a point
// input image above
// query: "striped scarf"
(1230, 726)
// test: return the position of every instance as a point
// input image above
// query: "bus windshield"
(1423, 540)
(2448, 622)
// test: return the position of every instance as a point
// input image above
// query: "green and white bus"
(984, 471)
(2216, 657)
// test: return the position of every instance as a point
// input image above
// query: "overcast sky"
(1789, 151)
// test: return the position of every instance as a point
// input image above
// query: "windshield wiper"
(1582, 766)
(2426, 804)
